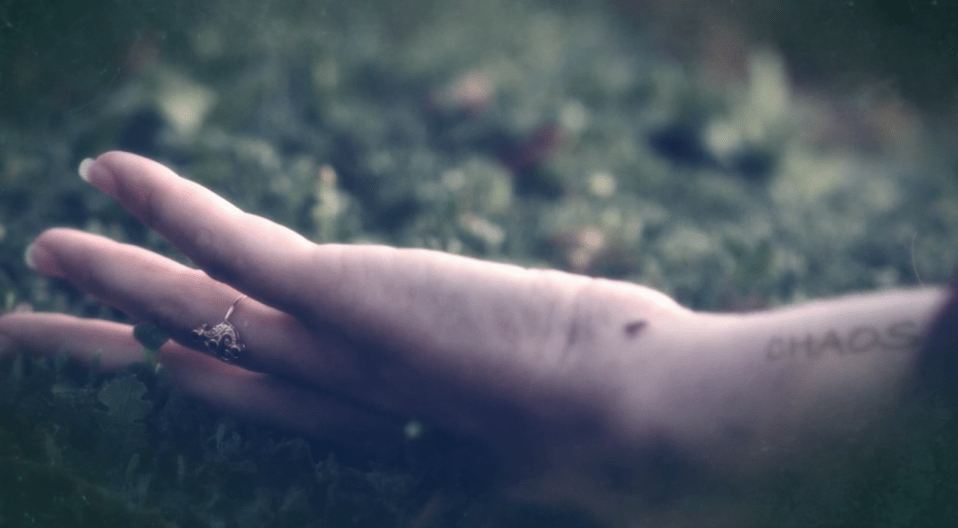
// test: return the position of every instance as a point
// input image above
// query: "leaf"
(150, 335)
(124, 398)
(152, 338)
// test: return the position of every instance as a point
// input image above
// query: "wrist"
(728, 385)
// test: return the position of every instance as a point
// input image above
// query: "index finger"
(250, 253)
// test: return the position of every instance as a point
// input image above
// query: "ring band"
(222, 341)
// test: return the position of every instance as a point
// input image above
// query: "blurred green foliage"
(79, 449)
(341, 90)
(858, 47)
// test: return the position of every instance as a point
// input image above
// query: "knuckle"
(569, 325)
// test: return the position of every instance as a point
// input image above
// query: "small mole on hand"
(633, 328)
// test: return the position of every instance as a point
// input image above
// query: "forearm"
(732, 383)
(851, 345)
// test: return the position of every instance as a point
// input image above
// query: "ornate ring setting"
(222, 341)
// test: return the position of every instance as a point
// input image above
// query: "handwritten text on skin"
(896, 336)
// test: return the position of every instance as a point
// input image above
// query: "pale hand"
(350, 341)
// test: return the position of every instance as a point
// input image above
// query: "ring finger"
(152, 288)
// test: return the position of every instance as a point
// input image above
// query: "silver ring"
(222, 341)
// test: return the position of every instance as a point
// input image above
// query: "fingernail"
(29, 258)
(84, 169)
(40, 259)
(94, 172)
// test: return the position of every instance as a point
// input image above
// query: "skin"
(351, 341)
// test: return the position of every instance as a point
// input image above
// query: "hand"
(345, 341)
(351, 341)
